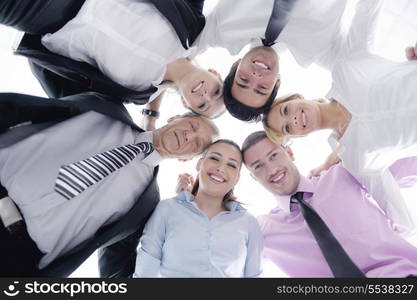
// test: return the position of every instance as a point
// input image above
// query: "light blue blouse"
(179, 240)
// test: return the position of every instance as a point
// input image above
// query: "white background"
(396, 30)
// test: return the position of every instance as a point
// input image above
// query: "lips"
(216, 178)
(197, 87)
(304, 118)
(261, 64)
(278, 177)
(178, 139)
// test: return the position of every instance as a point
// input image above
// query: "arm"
(149, 255)
(386, 192)
(361, 35)
(253, 265)
(118, 260)
(148, 122)
(19, 108)
(331, 160)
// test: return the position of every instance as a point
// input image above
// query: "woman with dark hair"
(205, 232)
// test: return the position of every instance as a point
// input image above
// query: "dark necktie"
(336, 257)
(75, 178)
(279, 18)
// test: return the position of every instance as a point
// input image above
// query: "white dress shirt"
(130, 41)
(381, 96)
(179, 240)
(29, 168)
(308, 34)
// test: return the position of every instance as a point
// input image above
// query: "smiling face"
(296, 117)
(183, 137)
(273, 167)
(219, 169)
(202, 92)
(256, 76)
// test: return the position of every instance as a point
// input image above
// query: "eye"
(258, 166)
(287, 129)
(274, 155)
(214, 158)
(243, 79)
(285, 110)
(232, 166)
(202, 106)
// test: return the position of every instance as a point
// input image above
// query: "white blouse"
(381, 96)
(130, 41)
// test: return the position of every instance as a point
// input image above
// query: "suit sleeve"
(55, 86)
(19, 108)
(118, 260)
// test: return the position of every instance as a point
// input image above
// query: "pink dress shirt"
(355, 220)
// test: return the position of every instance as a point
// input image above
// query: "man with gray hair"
(77, 174)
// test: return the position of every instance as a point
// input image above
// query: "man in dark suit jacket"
(118, 237)
(61, 76)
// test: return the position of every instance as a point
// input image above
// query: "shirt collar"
(154, 158)
(187, 197)
(305, 185)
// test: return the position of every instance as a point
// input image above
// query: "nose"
(256, 74)
(271, 170)
(189, 135)
(295, 121)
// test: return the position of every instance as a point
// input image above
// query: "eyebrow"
(219, 154)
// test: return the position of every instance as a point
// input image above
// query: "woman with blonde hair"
(203, 231)
(372, 112)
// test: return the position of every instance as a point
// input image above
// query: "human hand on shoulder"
(411, 53)
(185, 182)
(331, 160)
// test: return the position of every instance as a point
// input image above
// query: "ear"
(289, 151)
(236, 63)
(278, 82)
(198, 166)
(184, 103)
(173, 118)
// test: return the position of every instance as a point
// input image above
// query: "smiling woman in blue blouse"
(205, 233)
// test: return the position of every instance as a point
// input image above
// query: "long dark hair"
(229, 196)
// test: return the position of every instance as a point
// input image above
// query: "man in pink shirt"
(344, 205)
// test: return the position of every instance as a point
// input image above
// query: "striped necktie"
(336, 257)
(75, 178)
(279, 18)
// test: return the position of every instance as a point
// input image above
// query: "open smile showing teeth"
(217, 178)
(278, 178)
(304, 118)
(197, 87)
(260, 64)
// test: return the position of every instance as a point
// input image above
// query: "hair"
(277, 138)
(240, 110)
(230, 195)
(212, 125)
(252, 139)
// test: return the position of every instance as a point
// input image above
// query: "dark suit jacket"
(118, 241)
(61, 76)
